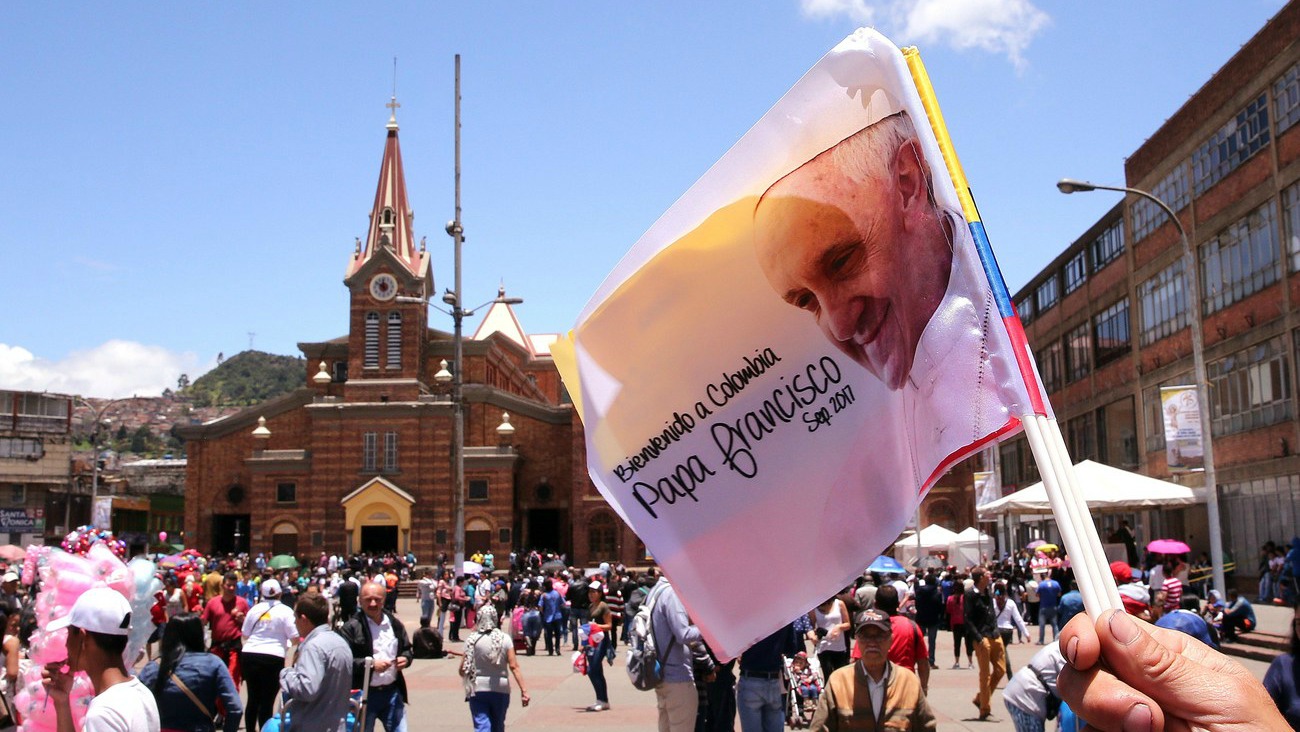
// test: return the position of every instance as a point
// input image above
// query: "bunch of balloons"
(64, 576)
(82, 538)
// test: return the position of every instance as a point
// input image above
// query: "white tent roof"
(1105, 489)
(933, 536)
(972, 535)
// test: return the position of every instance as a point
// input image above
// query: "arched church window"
(372, 341)
(387, 217)
(394, 340)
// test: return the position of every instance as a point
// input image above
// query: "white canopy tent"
(1104, 488)
(933, 538)
(968, 546)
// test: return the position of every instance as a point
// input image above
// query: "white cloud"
(115, 368)
(998, 26)
(858, 11)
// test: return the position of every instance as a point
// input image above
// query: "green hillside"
(246, 378)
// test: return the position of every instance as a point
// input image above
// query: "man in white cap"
(98, 626)
(269, 629)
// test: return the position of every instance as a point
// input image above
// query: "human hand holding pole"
(1125, 674)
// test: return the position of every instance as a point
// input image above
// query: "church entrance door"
(379, 539)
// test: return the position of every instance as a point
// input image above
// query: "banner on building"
(19, 521)
(1181, 408)
(101, 513)
(797, 349)
(987, 489)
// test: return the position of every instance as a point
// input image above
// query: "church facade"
(361, 457)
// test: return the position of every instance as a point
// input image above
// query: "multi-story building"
(1109, 318)
(360, 458)
(35, 462)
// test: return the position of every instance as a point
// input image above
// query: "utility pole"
(457, 232)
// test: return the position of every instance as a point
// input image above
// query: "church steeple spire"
(391, 219)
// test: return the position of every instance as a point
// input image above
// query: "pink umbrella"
(1168, 546)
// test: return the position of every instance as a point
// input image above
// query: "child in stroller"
(805, 684)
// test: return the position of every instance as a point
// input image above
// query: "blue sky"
(176, 176)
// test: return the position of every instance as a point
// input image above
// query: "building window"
(602, 538)
(1081, 437)
(1230, 145)
(1108, 246)
(1047, 294)
(390, 452)
(318, 538)
(394, 340)
(1162, 303)
(286, 492)
(1291, 223)
(372, 341)
(1017, 464)
(1154, 413)
(1286, 98)
(478, 490)
(440, 536)
(1025, 309)
(340, 371)
(1173, 190)
(503, 536)
(1241, 260)
(1257, 511)
(1050, 368)
(1111, 335)
(1076, 271)
(1078, 347)
(29, 448)
(1250, 388)
(1117, 434)
(368, 451)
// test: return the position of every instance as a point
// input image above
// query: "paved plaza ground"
(559, 696)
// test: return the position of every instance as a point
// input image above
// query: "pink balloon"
(162, 536)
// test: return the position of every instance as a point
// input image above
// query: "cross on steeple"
(393, 104)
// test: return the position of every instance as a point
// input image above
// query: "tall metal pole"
(457, 232)
(1193, 285)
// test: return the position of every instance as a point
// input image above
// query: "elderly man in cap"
(98, 626)
(873, 694)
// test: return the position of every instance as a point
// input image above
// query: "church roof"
(391, 218)
(500, 318)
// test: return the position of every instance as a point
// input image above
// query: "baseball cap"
(270, 588)
(1190, 623)
(10, 577)
(873, 619)
(1122, 573)
(98, 610)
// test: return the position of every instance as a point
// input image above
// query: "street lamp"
(456, 230)
(1192, 284)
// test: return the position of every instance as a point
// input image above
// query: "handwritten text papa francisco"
(794, 397)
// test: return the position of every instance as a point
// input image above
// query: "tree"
(140, 440)
(183, 382)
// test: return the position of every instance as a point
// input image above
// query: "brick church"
(360, 458)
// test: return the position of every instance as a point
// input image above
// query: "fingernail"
(1138, 719)
(1072, 651)
(1123, 628)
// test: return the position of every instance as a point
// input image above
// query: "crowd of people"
(868, 652)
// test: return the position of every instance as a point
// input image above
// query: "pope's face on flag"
(854, 237)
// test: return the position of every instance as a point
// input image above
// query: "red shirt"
(907, 644)
(219, 616)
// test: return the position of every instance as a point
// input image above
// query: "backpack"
(644, 660)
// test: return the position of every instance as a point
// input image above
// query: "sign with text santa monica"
(779, 369)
